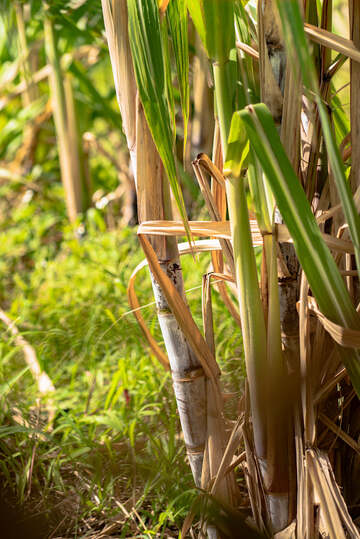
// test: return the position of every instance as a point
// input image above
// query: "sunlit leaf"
(318, 264)
(148, 57)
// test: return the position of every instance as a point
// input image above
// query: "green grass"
(116, 442)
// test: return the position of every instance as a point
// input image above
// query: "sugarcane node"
(197, 450)
(192, 374)
(164, 312)
(222, 63)
(286, 280)
(171, 271)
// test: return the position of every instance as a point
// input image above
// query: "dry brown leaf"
(248, 50)
(231, 448)
(288, 533)
(222, 230)
(349, 338)
(328, 509)
(332, 41)
(207, 313)
(339, 432)
(333, 509)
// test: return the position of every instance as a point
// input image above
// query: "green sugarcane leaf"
(91, 95)
(315, 257)
(317, 262)
(196, 11)
(16, 125)
(6, 387)
(241, 22)
(168, 75)
(261, 194)
(220, 30)
(299, 52)
(214, 22)
(246, 70)
(237, 147)
(178, 26)
(340, 118)
(148, 58)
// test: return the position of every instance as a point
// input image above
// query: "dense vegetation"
(96, 437)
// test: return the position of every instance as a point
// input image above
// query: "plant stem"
(31, 93)
(265, 369)
(189, 392)
(68, 153)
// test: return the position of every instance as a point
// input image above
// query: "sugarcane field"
(180, 269)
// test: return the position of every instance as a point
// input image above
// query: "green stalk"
(75, 139)
(277, 392)
(262, 341)
(263, 378)
(251, 311)
(278, 418)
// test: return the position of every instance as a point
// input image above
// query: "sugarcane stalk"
(279, 88)
(154, 202)
(187, 374)
(272, 86)
(78, 167)
(252, 319)
(261, 363)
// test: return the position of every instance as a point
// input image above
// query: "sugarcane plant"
(284, 177)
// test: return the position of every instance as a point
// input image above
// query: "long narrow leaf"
(177, 20)
(320, 268)
(197, 15)
(168, 74)
(148, 55)
(220, 29)
(298, 49)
